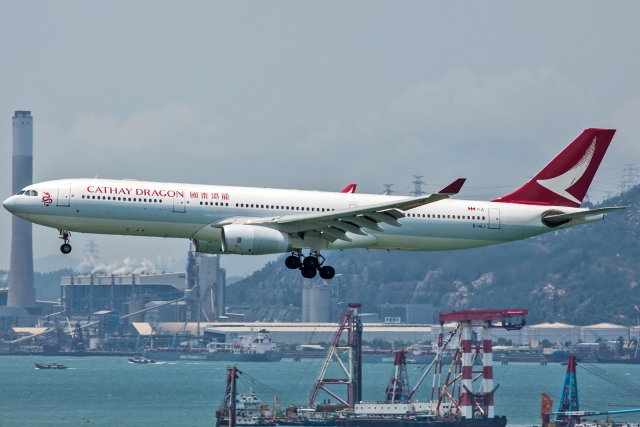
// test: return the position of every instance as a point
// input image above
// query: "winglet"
(351, 188)
(454, 187)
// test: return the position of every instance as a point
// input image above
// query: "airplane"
(222, 219)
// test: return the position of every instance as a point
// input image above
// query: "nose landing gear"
(66, 247)
(310, 265)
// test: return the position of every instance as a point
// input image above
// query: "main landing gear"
(309, 265)
(66, 247)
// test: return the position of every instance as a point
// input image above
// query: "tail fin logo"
(561, 183)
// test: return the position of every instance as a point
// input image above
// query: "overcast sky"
(312, 95)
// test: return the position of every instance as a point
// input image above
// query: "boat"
(449, 406)
(626, 359)
(143, 360)
(52, 365)
(247, 408)
(254, 347)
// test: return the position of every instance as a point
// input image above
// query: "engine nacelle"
(254, 240)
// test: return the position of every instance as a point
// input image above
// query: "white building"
(556, 333)
(604, 332)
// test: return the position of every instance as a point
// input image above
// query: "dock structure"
(479, 403)
(351, 329)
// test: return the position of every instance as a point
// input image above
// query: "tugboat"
(52, 365)
(141, 360)
(242, 409)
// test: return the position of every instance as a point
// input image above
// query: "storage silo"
(319, 303)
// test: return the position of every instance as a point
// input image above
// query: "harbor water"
(108, 391)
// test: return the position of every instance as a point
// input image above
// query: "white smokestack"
(22, 293)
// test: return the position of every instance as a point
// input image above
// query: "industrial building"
(289, 332)
(557, 333)
(317, 332)
(201, 290)
(603, 332)
(83, 295)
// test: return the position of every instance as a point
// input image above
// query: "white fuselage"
(127, 207)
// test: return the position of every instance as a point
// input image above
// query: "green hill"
(582, 275)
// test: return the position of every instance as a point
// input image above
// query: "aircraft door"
(494, 218)
(179, 204)
(64, 196)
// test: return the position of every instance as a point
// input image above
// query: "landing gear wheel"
(292, 262)
(308, 273)
(65, 236)
(310, 263)
(327, 272)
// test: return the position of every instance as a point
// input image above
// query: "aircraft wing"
(334, 225)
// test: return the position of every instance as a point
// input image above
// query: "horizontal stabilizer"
(562, 218)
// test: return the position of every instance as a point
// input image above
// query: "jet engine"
(254, 240)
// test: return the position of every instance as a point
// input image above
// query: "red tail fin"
(566, 179)
(351, 188)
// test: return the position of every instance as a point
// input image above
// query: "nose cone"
(9, 204)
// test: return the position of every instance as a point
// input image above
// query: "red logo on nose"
(46, 199)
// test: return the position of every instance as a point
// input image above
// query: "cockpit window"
(20, 192)
(34, 193)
